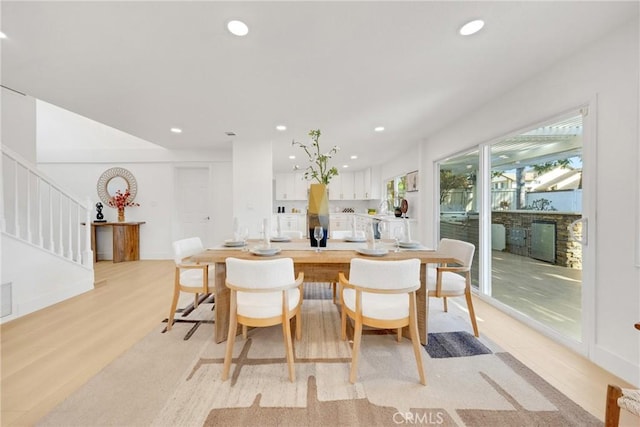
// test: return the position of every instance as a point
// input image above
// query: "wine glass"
(398, 234)
(244, 235)
(382, 228)
(318, 233)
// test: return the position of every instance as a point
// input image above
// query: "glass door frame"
(589, 150)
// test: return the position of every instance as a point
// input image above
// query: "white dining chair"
(263, 293)
(381, 294)
(453, 280)
(190, 277)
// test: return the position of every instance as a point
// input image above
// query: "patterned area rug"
(165, 380)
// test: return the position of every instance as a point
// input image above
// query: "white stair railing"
(36, 210)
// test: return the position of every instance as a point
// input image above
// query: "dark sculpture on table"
(99, 215)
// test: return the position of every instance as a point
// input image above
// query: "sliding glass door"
(533, 199)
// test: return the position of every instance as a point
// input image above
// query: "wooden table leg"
(223, 300)
(422, 302)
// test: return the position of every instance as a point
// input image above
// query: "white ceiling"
(343, 67)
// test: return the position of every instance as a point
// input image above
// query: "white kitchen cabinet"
(366, 186)
(290, 222)
(340, 221)
(291, 186)
(341, 187)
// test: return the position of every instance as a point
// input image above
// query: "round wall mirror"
(115, 179)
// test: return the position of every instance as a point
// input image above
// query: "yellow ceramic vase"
(318, 212)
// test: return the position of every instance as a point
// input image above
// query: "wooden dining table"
(323, 266)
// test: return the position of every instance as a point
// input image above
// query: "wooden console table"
(126, 240)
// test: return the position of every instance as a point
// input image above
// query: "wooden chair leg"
(472, 313)
(357, 337)
(415, 340)
(399, 334)
(174, 306)
(612, 411)
(245, 330)
(233, 326)
(333, 291)
(444, 302)
(195, 301)
(344, 324)
(288, 345)
(299, 325)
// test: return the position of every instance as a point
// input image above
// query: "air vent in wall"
(230, 133)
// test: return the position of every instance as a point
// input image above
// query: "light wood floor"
(49, 354)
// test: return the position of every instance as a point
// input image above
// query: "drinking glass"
(398, 234)
(244, 235)
(318, 233)
(382, 227)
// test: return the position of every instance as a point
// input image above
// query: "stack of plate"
(280, 239)
(355, 239)
(230, 243)
(409, 245)
(265, 251)
(372, 252)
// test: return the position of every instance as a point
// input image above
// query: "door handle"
(585, 229)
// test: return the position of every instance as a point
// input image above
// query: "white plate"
(372, 252)
(265, 251)
(280, 239)
(412, 244)
(233, 243)
(355, 239)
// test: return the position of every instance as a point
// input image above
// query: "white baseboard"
(624, 369)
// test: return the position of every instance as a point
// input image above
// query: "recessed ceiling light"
(238, 28)
(176, 130)
(2, 35)
(378, 128)
(292, 157)
(354, 157)
(345, 166)
(281, 128)
(472, 27)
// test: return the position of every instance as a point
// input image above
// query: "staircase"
(45, 248)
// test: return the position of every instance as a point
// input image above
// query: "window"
(396, 190)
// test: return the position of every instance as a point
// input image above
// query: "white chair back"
(260, 274)
(186, 248)
(458, 249)
(385, 274)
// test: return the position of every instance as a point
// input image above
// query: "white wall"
(18, 124)
(38, 278)
(252, 184)
(607, 71)
(85, 149)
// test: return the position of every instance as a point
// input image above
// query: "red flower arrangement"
(121, 200)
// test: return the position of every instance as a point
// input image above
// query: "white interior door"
(193, 203)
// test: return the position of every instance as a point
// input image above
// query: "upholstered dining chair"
(381, 294)
(263, 293)
(453, 280)
(190, 277)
